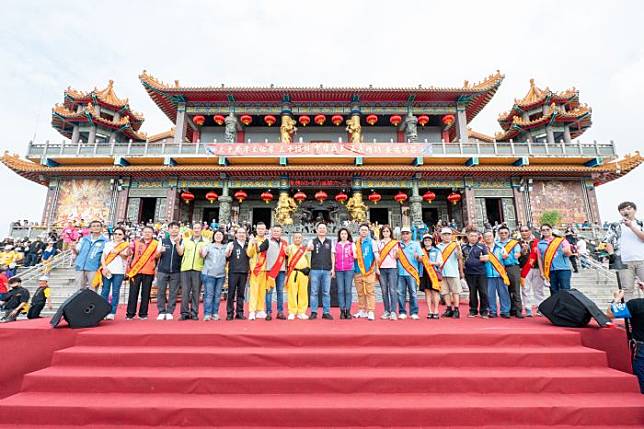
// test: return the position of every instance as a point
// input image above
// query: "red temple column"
(196, 135)
(445, 136)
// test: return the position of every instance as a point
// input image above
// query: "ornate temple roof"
(61, 114)
(167, 96)
(103, 97)
(599, 174)
(167, 134)
(476, 135)
(556, 107)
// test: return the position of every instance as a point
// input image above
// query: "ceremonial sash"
(532, 258)
(360, 260)
(549, 255)
(294, 260)
(261, 259)
(98, 277)
(145, 257)
(275, 269)
(411, 270)
(431, 271)
(498, 266)
(447, 252)
(510, 245)
(386, 249)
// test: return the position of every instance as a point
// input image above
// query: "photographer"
(625, 245)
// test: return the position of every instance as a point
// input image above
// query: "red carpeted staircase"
(319, 373)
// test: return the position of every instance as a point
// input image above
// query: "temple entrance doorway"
(210, 213)
(379, 214)
(494, 210)
(148, 209)
(430, 216)
(262, 214)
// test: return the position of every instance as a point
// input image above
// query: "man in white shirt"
(625, 241)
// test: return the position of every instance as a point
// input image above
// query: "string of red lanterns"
(321, 196)
(187, 196)
(240, 196)
(304, 120)
(374, 197)
(199, 120)
(219, 119)
(341, 197)
(299, 197)
(212, 196)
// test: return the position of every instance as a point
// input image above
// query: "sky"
(595, 46)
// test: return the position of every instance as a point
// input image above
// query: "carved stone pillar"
(415, 205)
(75, 134)
(225, 204)
(461, 123)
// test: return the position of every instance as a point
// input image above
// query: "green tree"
(551, 217)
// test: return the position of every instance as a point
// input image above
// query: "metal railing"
(61, 260)
(469, 148)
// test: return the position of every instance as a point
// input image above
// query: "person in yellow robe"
(297, 278)
(256, 251)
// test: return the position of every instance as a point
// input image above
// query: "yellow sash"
(447, 252)
(498, 266)
(510, 245)
(386, 249)
(98, 277)
(360, 260)
(431, 271)
(145, 257)
(408, 266)
(549, 255)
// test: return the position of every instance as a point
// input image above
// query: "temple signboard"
(321, 149)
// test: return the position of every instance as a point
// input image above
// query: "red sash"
(294, 260)
(261, 260)
(275, 269)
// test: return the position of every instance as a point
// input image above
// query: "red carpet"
(450, 373)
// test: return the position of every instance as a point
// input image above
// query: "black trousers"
(34, 310)
(573, 262)
(477, 283)
(514, 274)
(236, 290)
(142, 283)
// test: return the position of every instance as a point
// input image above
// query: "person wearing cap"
(15, 301)
(409, 257)
(42, 296)
(511, 255)
(430, 278)
(48, 254)
(452, 271)
(554, 259)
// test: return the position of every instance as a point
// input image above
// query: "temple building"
(296, 155)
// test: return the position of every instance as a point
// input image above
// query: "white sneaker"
(251, 315)
(261, 315)
(360, 315)
(169, 316)
(371, 316)
(414, 316)
(393, 316)
(303, 316)
(291, 317)
(215, 317)
(206, 318)
(385, 315)
(109, 317)
(143, 318)
(161, 316)
(402, 316)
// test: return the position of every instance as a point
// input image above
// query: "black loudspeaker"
(84, 309)
(572, 308)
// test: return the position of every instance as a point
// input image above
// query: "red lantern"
(267, 197)
(423, 120)
(246, 119)
(372, 119)
(187, 196)
(212, 196)
(448, 120)
(401, 197)
(299, 197)
(320, 119)
(429, 196)
(240, 196)
(374, 197)
(395, 120)
(270, 120)
(341, 197)
(305, 120)
(336, 119)
(321, 196)
(454, 198)
(199, 120)
(219, 119)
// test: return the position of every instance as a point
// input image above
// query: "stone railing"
(470, 148)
